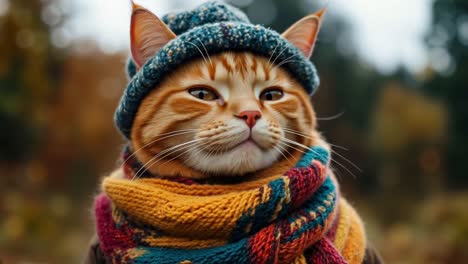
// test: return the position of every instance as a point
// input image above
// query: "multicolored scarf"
(297, 217)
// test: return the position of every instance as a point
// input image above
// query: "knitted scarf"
(297, 217)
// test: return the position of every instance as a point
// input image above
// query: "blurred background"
(394, 94)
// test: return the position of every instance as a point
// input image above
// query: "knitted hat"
(219, 27)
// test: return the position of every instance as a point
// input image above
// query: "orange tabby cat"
(227, 114)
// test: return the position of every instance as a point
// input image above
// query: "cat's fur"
(199, 137)
(223, 146)
(177, 133)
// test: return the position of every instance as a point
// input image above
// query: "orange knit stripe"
(182, 215)
(356, 240)
(206, 190)
(174, 242)
(350, 237)
(344, 223)
(299, 260)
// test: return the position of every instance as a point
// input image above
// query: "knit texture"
(297, 217)
(216, 27)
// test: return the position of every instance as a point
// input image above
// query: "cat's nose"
(250, 117)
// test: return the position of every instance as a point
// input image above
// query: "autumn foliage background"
(407, 133)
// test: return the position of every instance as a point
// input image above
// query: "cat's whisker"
(285, 149)
(338, 154)
(350, 162)
(331, 166)
(273, 53)
(213, 151)
(291, 146)
(203, 55)
(329, 118)
(206, 155)
(217, 151)
(286, 60)
(165, 135)
(200, 150)
(297, 133)
(279, 55)
(344, 167)
(191, 148)
(166, 153)
(336, 172)
(277, 148)
(338, 146)
(207, 54)
(290, 129)
(290, 57)
(310, 149)
(154, 161)
(296, 143)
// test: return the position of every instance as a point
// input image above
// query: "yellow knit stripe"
(299, 260)
(355, 244)
(206, 190)
(174, 242)
(204, 217)
(350, 238)
(285, 200)
(344, 222)
(135, 253)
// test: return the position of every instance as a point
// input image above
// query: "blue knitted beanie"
(219, 27)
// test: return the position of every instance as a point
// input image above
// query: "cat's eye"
(203, 93)
(271, 94)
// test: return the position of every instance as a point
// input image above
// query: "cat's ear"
(303, 34)
(148, 34)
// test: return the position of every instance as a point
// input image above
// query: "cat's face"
(230, 114)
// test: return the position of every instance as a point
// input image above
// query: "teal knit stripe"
(237, 252)
(261, 215)
(257, 218)
(312, 205)
(315, 153)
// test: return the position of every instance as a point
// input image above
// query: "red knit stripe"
(111, 238)
(324, 252)
(262, 245)
(305, 181)
(332, 231)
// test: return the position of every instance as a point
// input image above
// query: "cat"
(225, 117)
